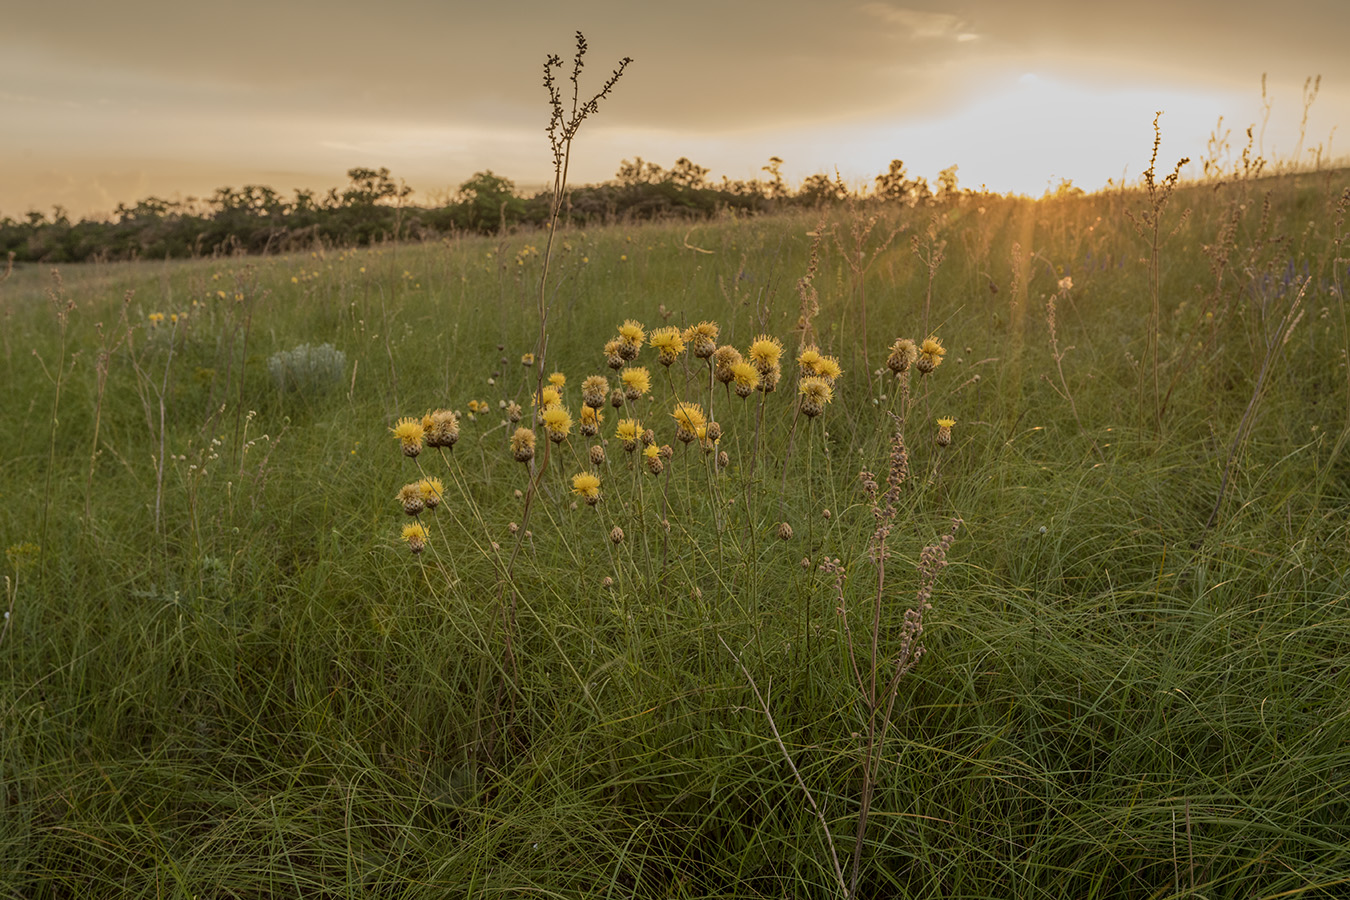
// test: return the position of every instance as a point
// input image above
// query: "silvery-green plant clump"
(311, 371)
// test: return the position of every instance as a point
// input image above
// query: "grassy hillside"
(225, 675)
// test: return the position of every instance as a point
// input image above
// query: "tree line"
(374, 207)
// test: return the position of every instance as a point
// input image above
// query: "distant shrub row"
(373, 207)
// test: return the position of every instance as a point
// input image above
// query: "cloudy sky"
(103, 103)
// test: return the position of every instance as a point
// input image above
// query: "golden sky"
(102, 103)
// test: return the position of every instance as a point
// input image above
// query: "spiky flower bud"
(784, 531)
(616, 535)
(597, 455)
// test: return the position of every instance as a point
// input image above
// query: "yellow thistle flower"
(930, 355)
(557, 379)
(628, 432)
(156, 318)
(652, 459)
(557, 423)
(522, 445)
(591, 418)
(594, 391)
(944, 435)
(808, 360)
(416, 536)
(668, 343)
(631, 333)
(828, 367)
(636, 382)
(409, 433)
(441, 427)
(702, 339)
(587, 486)
(432, 491)
(745, 378)
(765, 352)
(527, 359)
(815, 393)
(547, 397)
(688, 417)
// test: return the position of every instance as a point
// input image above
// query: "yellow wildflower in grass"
(944, 434)
(688, 417)
(591, 417)
(410, 495)
(651, 456)
(724, 360)
(547, 397)
(557, 423)
(416, 536)
(527, 359)
(702, 339)
(409, 433)
(745, 378)
(587, 486)
(828, 367)
(628, 432)
(631, 333)
(594, 391)
(930, 355)
(765, 352)
(614, 354)
(557, 379)
(432, 491)
(156, 318)
(815, 392)
(636, 382)
(522, 445)
(668, 343)
(903, 354)
(808, 359)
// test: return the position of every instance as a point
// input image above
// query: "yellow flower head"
(668, 343)
(587, 486)
(765, 352)
(628, 432)
(409, 433)
(944, 434)
(636, 382)
(808, 359)
(557, 423)
(547, 397)
(432, 490)
(745, 378)
(930, 355)
(616, 353)
(631, 333)
(527, 359)
(591, 416)
(416, 536)
(441, 428)
(702, 339)
(689, 416)
(828, 367)
(723, 359)
(815, 393)
(946, 423)
(557, 379)
(651, 451)
(156, 318)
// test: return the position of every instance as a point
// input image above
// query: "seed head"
(441, 428)
(410, 495)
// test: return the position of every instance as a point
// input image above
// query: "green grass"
(225, 676)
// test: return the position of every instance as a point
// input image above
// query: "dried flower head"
(725, 357)
(409, 433)
(668, 343)
(765, 352)
(614, 351)
(416, 536)
(636, 382)
(594, 391)
(522, 445)
(557, 423)
(410, 495)
(441, 428)
(903, 354)
(513, 412)
(688, 417)
(702, 339)
(586, 485)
